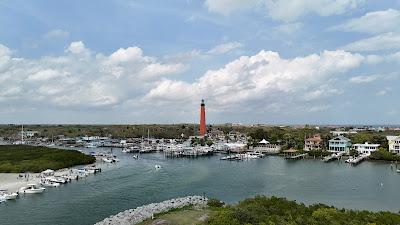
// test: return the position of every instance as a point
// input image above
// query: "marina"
(153, 177)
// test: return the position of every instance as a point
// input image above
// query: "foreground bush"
(215, 203)
(24, 158)
(262, 210)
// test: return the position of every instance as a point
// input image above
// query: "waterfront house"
(265, 147)
(313, 143)
(366, 148)
(28, 133)
(394, 144)
(339, 144)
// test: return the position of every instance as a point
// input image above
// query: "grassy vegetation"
(263, 210)
(24, 158)
(183, 216)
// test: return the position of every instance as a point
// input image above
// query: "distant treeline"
(24, 158)
(264, 210)
(288, 137)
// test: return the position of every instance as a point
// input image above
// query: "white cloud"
(285, 10)
(157, 69)
(80, 82)
(386, 41)
(77, 47)
(264, 78)
(5, 55)
(373, 22)
(290, 10)
(56, 34)
(364, 79)
(228, 6)
(288, 28)
(224, 48)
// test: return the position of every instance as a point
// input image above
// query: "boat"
(8, 196)
(146, 149)
(56, 179)
(32, 189)
(157, 167)
(106, 159)
(135, 156)
(48, 183)
(398, 170)
(2, 199)
(232, 158)
(253, 155)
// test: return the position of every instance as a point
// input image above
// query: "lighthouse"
(202, 118)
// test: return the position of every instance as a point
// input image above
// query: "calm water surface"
(131, 183)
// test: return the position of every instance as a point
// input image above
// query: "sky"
(148, 61)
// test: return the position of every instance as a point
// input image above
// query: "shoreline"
(141, 213)
(12, 182)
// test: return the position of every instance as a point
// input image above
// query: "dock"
(357, 160)
(297, 156)
(333, 156)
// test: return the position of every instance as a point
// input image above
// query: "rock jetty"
(139, 214)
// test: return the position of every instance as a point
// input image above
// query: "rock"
(134, 216)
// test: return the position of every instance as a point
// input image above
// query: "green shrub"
(215, 203)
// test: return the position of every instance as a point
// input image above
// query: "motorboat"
(398, 170)
(106, 159)
(232, 157)
(8, 196)
(92, 169)
(56, 179)
(146, 149)
(135, 156)
(157, 167)
(32, 189)
(253, 155)
(48, 183)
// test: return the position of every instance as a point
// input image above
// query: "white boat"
(56, 179)
(135, 156)
(157, 167)
(107, 160)
(48, 183)
(398, 170)
(2, 199)
(32, 189)
(8, 196)
(253, 155)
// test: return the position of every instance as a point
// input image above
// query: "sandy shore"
(11, 182)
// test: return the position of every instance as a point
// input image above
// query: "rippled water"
(131, 183)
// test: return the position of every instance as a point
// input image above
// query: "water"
(131, 183)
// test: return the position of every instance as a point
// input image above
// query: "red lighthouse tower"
(202, 118)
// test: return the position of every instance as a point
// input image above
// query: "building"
(313, 143)
(366, 148)
(339, 144)
(203, 129)
(28, 133)
(394, 144)
(265, 147)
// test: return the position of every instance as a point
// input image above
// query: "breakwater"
(139, 214)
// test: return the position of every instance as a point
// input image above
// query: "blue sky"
(253, 61)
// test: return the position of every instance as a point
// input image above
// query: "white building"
(394, 144)
(265, 147)
(28, 133)
(366, 148)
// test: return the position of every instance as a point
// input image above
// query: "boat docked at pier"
(32, 189)
(8, 196)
